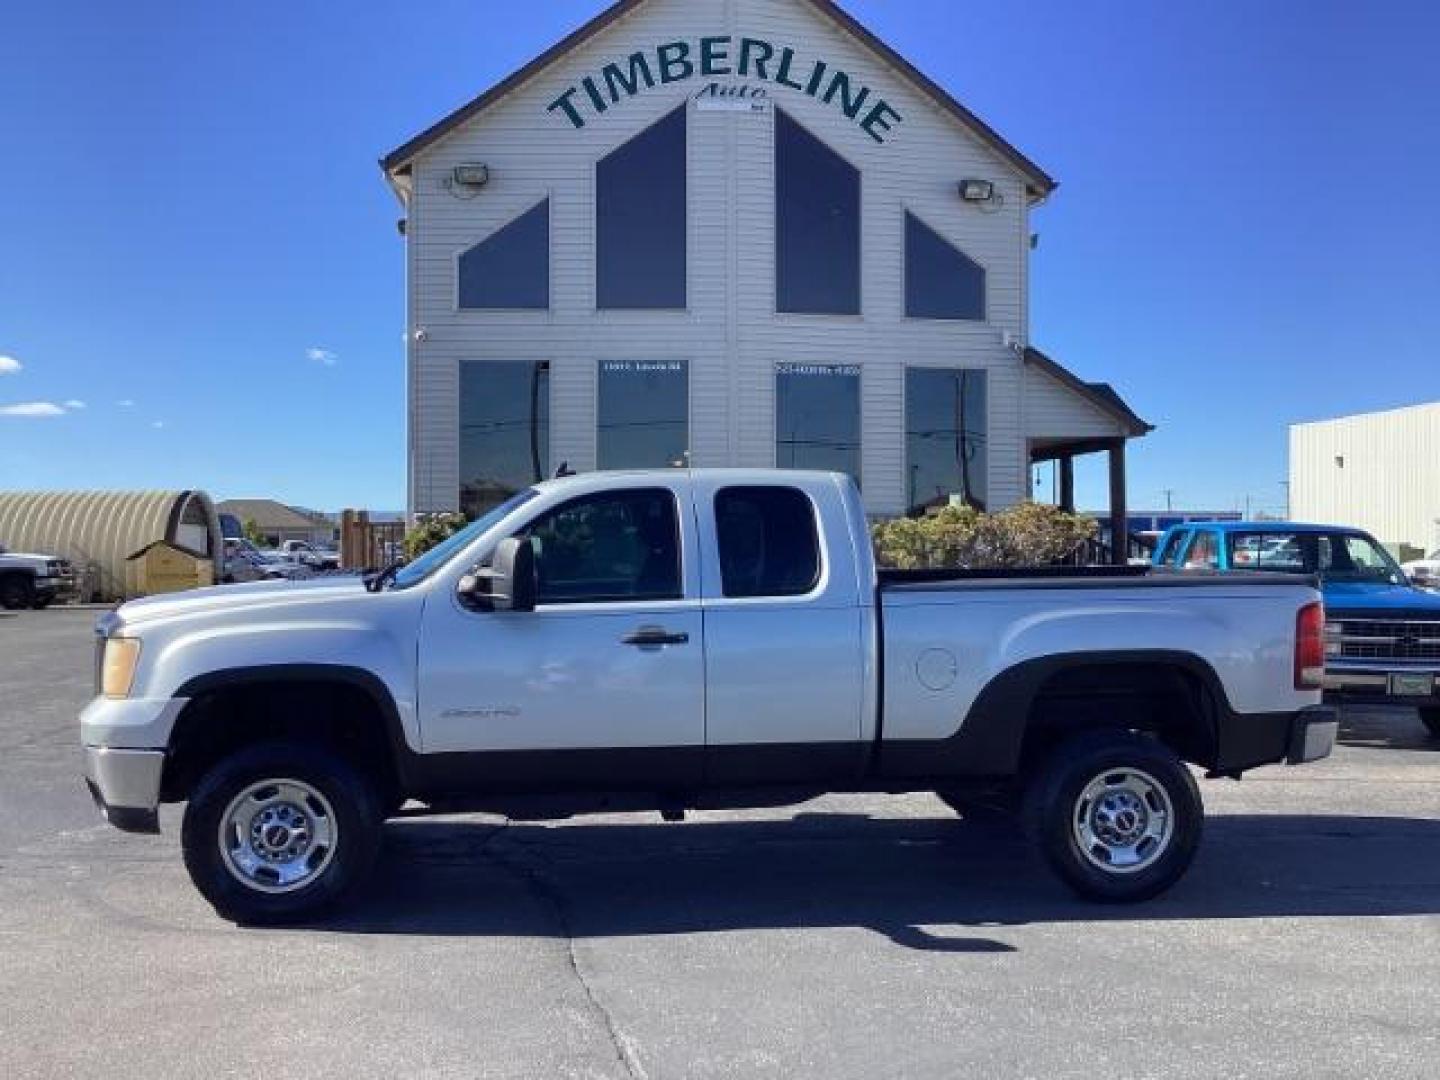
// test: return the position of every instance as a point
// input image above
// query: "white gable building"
(731, 232)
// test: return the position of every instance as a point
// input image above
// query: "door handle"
(650, 637)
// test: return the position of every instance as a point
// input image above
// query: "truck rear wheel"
(280, 832)
(1117, 815)
(1431, 719)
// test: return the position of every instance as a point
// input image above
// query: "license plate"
(1412, 685)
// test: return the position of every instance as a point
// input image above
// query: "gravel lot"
(850, 937)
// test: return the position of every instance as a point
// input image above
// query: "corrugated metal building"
(99, 530)
(740, 233)
(1379, 471)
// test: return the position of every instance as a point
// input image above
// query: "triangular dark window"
(941, 281)
(640, 220)
(510, 269)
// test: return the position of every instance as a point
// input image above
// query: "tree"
(253, 533)
(431, 530)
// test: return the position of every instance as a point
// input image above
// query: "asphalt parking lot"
(850, 937)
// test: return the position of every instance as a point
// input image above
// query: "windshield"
(438, 556)
(1334, 556)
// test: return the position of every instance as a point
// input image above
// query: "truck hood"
(228, 598)
(1357, 596)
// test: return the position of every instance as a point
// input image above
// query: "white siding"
(1389, 483)
(730, 335)
(1053, 410)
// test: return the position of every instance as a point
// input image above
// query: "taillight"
(1310, 647)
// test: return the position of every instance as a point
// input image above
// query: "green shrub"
(430, 531)
(961, 537)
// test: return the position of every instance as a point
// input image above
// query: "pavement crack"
(531, 871)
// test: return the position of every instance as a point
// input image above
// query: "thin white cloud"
(157, 424)
(74, 404)
(10, 366)
(328, 357)
(125, 403)
(32, 409)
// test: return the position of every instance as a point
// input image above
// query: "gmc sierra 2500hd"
(673, 639)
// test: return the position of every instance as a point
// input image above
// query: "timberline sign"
(754, 60)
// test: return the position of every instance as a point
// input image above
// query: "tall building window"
(510, 269)
(941, 281)
(817, 417)
(817, 225)
(640, 220)
(946, 438)
(504, 430)
(644, 414)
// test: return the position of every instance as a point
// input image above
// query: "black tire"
(40, 603)
(1431, 719)
(1054, 814)
(16, 592)
(356, 826)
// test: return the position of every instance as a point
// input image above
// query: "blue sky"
(198, 245)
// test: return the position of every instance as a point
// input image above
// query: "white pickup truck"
(690, 639)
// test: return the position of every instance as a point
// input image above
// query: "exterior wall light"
(470, 176)
(975, 190)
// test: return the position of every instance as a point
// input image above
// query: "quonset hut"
(98, 530)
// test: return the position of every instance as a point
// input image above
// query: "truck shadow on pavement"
(1385, 729)
(924, 883)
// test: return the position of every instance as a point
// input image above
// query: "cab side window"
(1203, 552)
(769, 541)
(614, 546)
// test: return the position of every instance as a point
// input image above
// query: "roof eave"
(1039, 185)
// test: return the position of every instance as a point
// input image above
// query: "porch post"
(1067, 484)
(1119, 511)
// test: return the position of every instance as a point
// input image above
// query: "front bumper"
(125, 785)
(1371, 685)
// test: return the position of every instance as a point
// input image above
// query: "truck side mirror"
(508, 583)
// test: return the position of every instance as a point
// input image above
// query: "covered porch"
(1066, 418)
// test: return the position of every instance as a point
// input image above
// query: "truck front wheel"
(280, 832)
(1117, 815)
(16, 592)
(1431, 719)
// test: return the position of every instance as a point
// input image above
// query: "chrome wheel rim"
(1123, 821)
(278, 836)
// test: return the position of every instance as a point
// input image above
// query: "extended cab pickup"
(681, 639)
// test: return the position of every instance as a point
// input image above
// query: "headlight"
(117, 669)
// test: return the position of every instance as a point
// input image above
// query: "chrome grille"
(1386, 639)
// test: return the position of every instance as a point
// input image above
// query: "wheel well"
(1168, 701)
(338, 715)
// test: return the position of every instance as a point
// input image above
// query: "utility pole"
(1169, 500)
(1286, 485)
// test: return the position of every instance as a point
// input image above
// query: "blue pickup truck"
(1382, 635)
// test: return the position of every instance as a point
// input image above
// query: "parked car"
(245, 562)
(1382, 634)
(675, 639)
(29, 580)
(1424, 572)
(316, 558)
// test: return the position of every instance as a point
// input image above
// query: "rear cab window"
(769, 542)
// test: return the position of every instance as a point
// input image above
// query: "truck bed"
(1078, 577)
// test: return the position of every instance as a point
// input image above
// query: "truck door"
(784, 642)
(604, 682)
